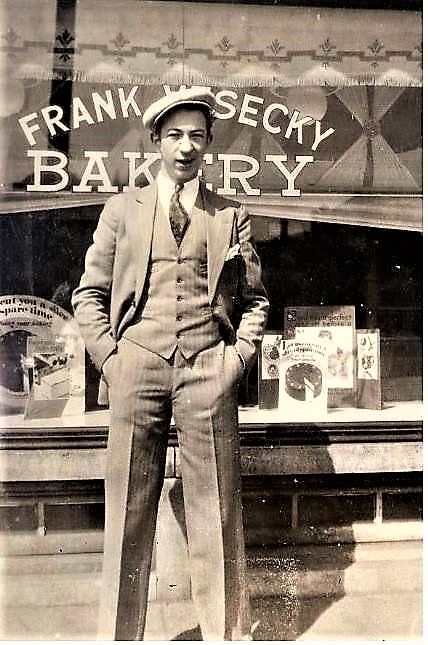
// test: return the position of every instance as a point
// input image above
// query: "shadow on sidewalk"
(288, 616)
(292, 583)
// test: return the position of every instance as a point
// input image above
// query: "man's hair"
(208, 114)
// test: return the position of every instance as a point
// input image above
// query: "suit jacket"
(107, 299)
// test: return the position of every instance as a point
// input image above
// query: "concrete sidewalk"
(386, 617)
(370, 592)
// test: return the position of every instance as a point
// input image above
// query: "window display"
(312, 269)
(373, 275)
(320, 138)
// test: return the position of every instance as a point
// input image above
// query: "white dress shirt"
(166, 188)
(188, 195)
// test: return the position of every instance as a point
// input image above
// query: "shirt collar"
(166, 189)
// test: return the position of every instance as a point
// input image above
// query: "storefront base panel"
(68, 517)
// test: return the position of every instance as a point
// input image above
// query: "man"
(172, 310)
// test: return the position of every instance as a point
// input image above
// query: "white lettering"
(95, 159)
(126, 103)
(278, 160)
(320, 136)
(80, 113)
(231, 109)
(240, 175)
(105, 104)
(142, 169)
(246, 108)
(29, 129)
(51, 121)
(39, 167)
(271, 108)
(167, 89)
(296, 124)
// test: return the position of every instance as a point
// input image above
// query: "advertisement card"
(333, 326)
(42, 359)
(303, 380)
(270, 354)
(369, 394)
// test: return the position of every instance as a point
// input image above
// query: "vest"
(174, 309)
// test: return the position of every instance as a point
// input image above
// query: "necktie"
(177, 215)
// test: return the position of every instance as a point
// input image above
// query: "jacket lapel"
(139, 225)
(219, 232)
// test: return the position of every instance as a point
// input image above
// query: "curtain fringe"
(229, 81)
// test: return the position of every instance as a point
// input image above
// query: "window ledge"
(396, 422)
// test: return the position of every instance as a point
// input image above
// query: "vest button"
(179, 280)
(179, 317)
(179, 297)
(180, 260)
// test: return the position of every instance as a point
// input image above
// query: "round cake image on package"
(303, 381)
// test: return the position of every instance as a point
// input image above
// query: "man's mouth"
(184, 163)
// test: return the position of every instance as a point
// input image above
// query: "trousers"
(146, 390)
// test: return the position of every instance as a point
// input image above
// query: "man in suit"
(172, 310)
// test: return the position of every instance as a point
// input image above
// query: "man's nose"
(186, 144)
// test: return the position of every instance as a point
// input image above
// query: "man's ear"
(155, 138)
(210, 138)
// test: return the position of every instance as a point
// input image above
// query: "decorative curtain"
(370, 163)
(357, 71)
(224, 45)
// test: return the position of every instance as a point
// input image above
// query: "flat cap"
(193, 96)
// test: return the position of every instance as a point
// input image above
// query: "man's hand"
(108, 367)
(236, 362)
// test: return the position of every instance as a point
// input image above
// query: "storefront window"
(335, 199)
(376, 271)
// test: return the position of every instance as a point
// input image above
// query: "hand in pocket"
(108, 368)
(234, 361)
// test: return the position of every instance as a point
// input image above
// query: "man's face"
(182, 141)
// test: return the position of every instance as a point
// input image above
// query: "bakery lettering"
(115, 104)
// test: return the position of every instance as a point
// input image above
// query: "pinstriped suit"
(197, 382)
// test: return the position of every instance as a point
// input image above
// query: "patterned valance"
(134, 41)
(254, 57)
